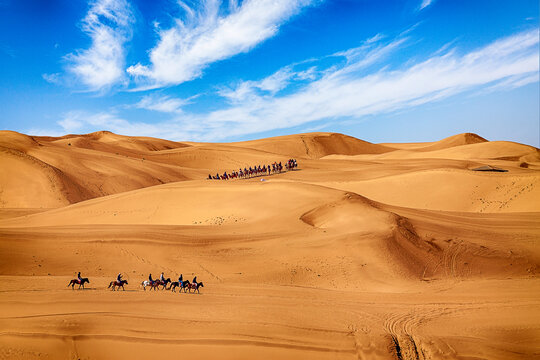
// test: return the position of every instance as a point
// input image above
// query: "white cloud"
(238, 93)
(309, 74)
(425, 4)
(368, 54)
(268, 86)
(108, 24)
(51, 78)
(276, 81)
(346, 91)
(164, 103)
(205, 36)
(511, 82)
(375, 38)
(71, 122)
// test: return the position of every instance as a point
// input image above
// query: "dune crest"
(451, 141)
(314, 145)
(350, 214)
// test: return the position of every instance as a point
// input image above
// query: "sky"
(233, 70)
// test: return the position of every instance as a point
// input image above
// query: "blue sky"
(382, 71)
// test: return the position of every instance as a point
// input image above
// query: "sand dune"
(367, 251)
(452, 190)
(102, 138)
(314, 145)
(79, 167)
(482, 151)
(189, 203)
(496, 150)
(451, 141)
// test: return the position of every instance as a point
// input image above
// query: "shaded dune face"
(376, 251)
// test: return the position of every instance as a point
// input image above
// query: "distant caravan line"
(275, 168)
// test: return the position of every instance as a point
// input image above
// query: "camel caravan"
(258, 170)
(158, 284)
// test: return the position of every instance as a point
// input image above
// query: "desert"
(364, 251)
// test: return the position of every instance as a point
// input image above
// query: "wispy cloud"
(308, 74)
(362, 84)
(425, 4)
(108, 24)
(51, 78)
(204, 35)
(511, 83)
(71, 122)
(347, 92)
(269, 85)
(163, 103)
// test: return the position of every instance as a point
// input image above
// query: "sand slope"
(314, 145)
(79, 167)
(365, 252)
(451, 141)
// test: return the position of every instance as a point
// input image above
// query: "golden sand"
(367, 251)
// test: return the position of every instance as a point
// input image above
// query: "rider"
(79, 276)
(162, 277)
(195, 280)
(181, 280)
(119, 277)
(150, 279)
